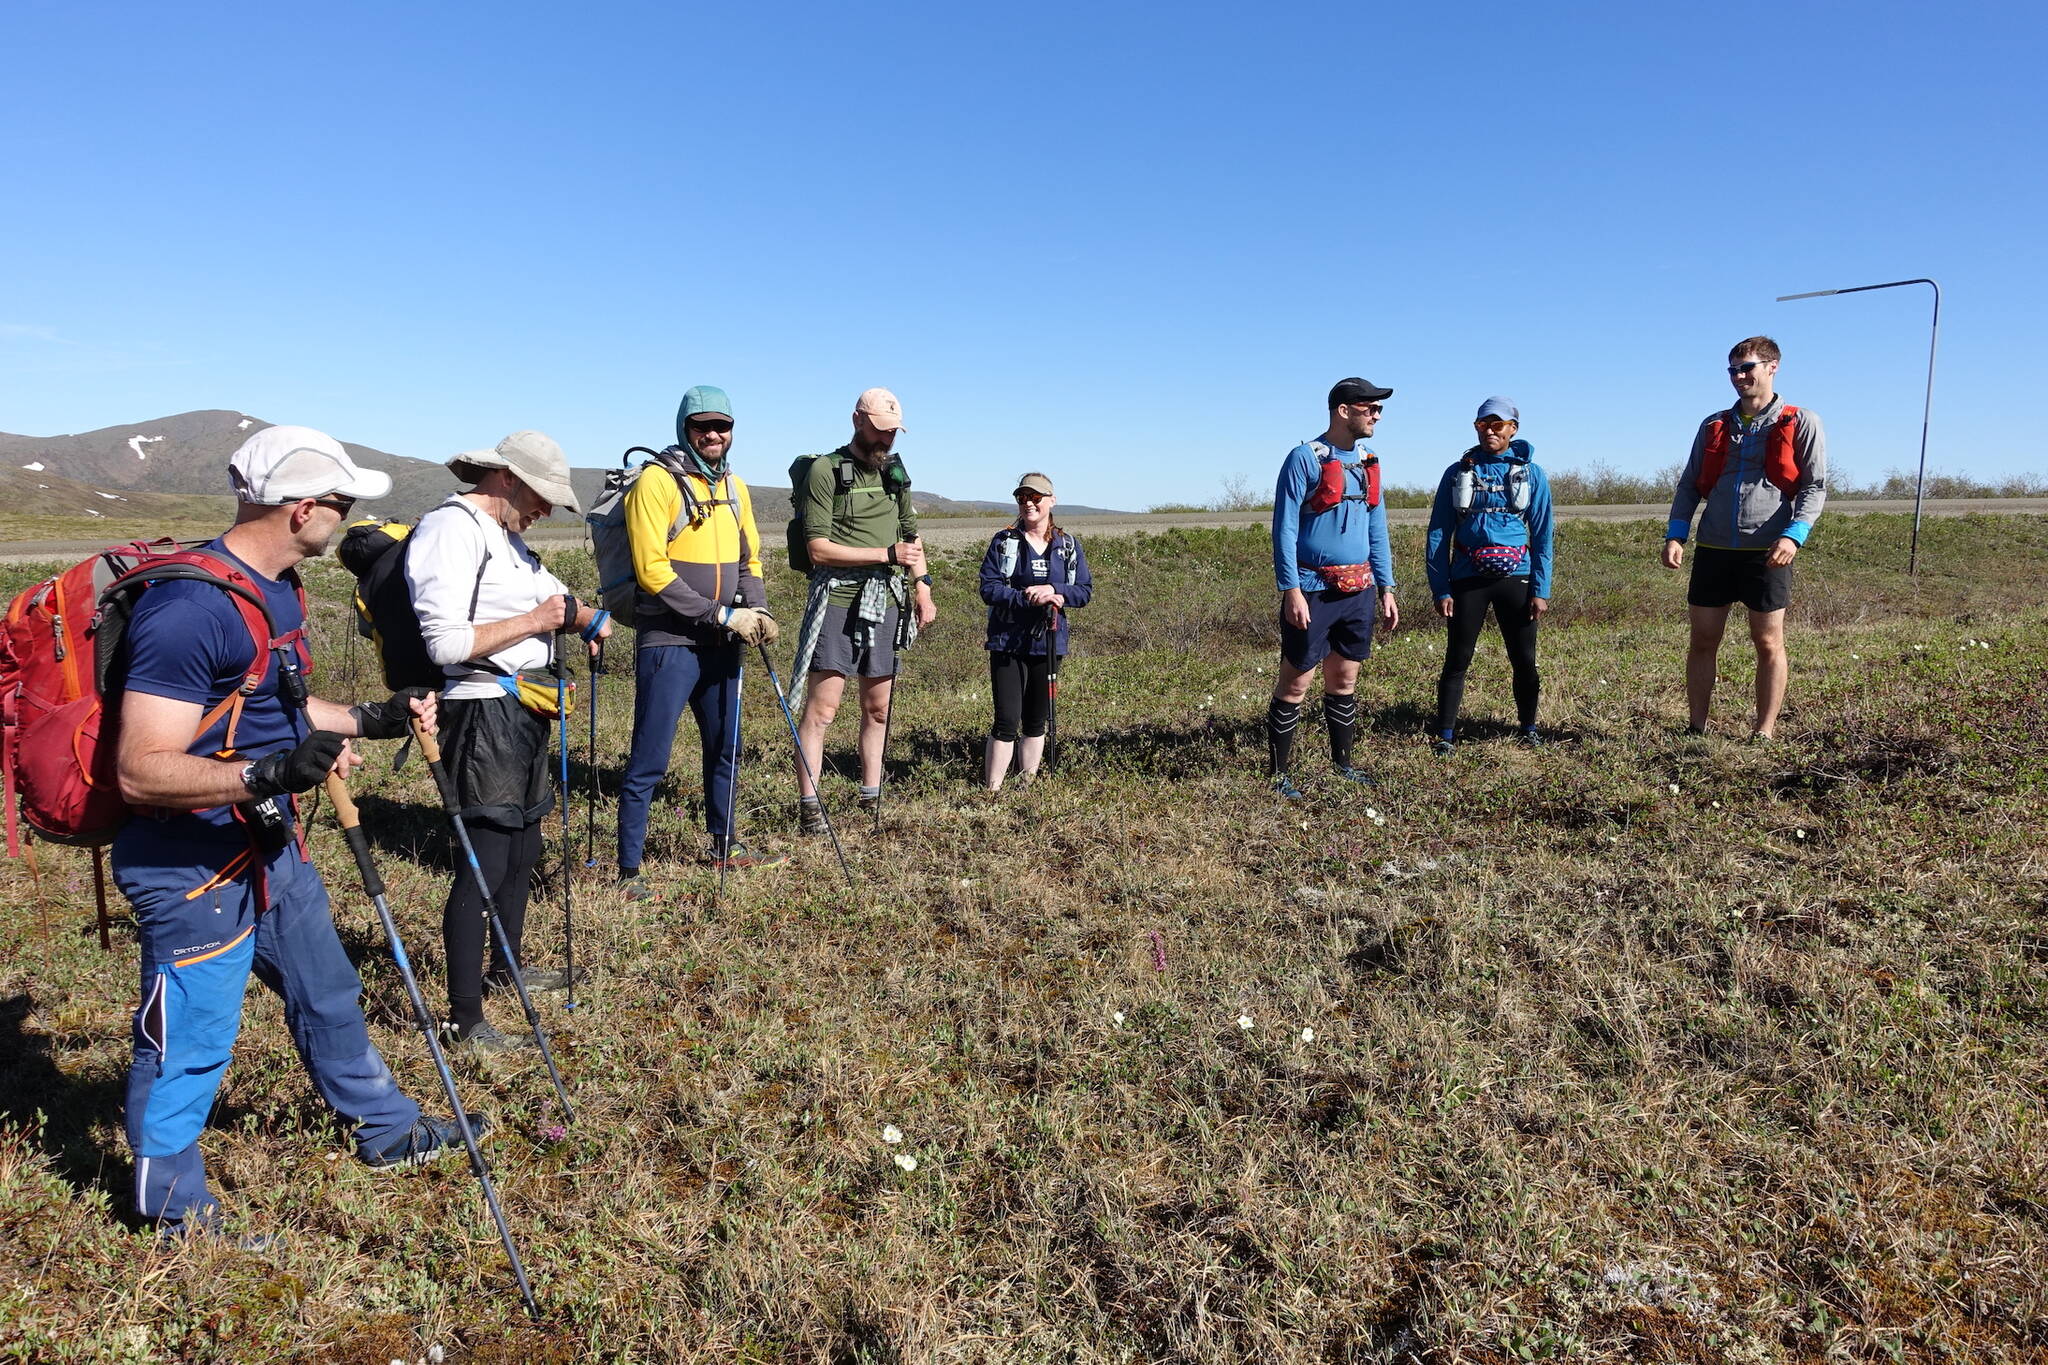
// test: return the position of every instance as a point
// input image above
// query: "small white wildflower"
(1918, 648)
(1244, 1021)
(1117, 1018)
(1603, 682)
(1799, 834)
(1674, 789)
(1371, 814)
(1717, 805)
(1304, 824)
(906, 1161)
(1613, 839)
(1379, 819)
(967, 881)
(334, 1156)
(891, 1134)
(1855, 656)
(435, 1355)
(1308, 1035)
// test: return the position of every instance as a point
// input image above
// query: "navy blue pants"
(202, 936)
(667, 678)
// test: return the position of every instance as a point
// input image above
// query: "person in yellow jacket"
(701, 603)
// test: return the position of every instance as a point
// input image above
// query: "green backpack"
(895, 478)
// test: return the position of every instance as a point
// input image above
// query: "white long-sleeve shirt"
(442, 559)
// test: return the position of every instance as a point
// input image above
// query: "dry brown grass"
(1633, 1049)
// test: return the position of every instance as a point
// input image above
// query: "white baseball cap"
(284, 464)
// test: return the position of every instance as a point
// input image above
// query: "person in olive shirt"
(859, 528)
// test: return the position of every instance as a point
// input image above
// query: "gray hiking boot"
(430, 1139)
(486, 1040)
(810, 818)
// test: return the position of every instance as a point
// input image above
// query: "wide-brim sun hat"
(534, 459)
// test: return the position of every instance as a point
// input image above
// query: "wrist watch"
(925, 579)
(892, 555)
(249, 777)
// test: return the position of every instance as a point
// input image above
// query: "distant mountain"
(185, 458)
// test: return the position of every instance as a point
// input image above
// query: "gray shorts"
(837, 652)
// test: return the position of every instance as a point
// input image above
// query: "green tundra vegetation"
(1634, 1048)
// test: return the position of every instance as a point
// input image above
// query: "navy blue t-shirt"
(187, 642)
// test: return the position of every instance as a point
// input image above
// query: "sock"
(1528, 729)
(808, 801)
(1450, 734)
(870, 793)
(627, 874)
(1281, 718)
(1340, 715)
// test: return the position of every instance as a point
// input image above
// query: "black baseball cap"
(1357, 391)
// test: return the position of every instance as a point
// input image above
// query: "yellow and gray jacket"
(693, 555)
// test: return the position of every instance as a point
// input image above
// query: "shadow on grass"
(32, 1083)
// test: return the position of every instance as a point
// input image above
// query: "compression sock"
(1281, 719)
(871, 793)
(1340, 714)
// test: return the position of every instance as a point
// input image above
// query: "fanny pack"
(541, 698)
(1500, 561)
(1344, 577)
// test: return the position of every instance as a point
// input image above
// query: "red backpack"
(62, 640)
(1333, 481)
(1781, 454)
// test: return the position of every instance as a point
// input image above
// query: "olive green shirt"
(870, 519)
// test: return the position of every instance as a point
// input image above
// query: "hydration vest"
(1514, 486)
(1333, 481)
(1781, 462)
(1012, 538)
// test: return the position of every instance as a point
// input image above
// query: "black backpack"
(375, 552)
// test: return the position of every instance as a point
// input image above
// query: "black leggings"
(1509, 598)
(1018, 682)
(507, 858)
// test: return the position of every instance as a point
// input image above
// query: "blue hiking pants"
(666, 678)
(202, 935)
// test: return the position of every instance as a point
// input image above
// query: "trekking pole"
(782, 700)
(568, 831)
(889, 708)
(430, 749)
(732, 793)
(590, 798)
(373, 885)
(1052, 686)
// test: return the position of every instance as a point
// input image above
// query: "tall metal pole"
(1926, 407)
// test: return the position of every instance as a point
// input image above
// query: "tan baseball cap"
(882, 409)
(1034, 483)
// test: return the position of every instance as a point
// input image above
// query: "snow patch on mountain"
(34, 466)
(136, 444)
(111, 497)
(243, 425)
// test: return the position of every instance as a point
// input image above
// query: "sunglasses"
(1032, 498)
(709, 427)
(1745, 367)
(1494, 423)
(336, 503)
(1373, 408)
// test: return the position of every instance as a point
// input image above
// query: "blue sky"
(1132, 246)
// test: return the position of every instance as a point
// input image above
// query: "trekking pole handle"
(344, 804)
(430, 748)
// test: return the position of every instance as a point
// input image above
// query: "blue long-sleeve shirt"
(1491, 522)
(1349, 533)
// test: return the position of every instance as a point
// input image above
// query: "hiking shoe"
(538, 979)
(427, 1140)
(1284, 788)
(187, 1231)
(870, 805)
(1358, 775)
(1442, 747)
(1531, 739)
(810, 818)
(636, 888)
(739, 857)
(486, 1040)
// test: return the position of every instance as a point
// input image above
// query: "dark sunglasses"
(1746, 366)
(1374, 408)
(709, 427)
(1494, 423)
(334, 502)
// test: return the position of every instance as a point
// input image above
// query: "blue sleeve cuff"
(1679, 529)
(1798, 531)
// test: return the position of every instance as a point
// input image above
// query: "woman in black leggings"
(1489, 548)
(1032, 576)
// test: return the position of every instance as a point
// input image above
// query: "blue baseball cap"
(1498, 407)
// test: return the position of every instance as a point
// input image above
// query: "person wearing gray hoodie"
(1759, 471)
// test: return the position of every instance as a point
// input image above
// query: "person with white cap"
(219, 881)
(854, 518)
(1488, 548)
(490, 612)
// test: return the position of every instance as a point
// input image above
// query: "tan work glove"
(753, 627)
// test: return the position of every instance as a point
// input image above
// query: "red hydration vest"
(1781, 462)
(1333, 484)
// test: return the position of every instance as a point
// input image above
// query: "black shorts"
(1343, 621)
(1721, 578)
(497, 754)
